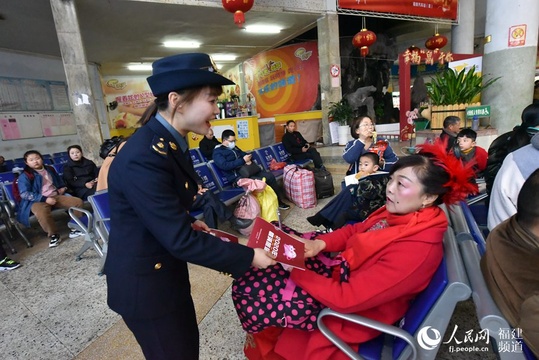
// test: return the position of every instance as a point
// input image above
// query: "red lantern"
(238, 8)
(363, 40)
(436, 42)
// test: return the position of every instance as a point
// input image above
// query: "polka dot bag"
(267, 297)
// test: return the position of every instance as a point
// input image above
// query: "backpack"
(108, 145)
(15, 188)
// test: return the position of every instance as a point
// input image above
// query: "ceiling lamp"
(437, 41)
(182, 44)
(238, 7)
(364, 39)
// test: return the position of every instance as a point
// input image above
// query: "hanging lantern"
(238, 8)
(436, 42)
(364, 39)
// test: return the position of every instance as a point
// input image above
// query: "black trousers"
(214, 210)
(174, 336)
(313, 154)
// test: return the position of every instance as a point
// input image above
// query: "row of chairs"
(94, 225)
(262, 157)
(49, 159)
(472, 247)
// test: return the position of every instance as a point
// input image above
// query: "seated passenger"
(516, 168)
(511, 263)
(298, 147)
(356, 201)
(449, 132)
(509, 142)
(363, 132)
(207, 144)
(391, 256)
(42, 190)
(80, 173)
(230, 158)
(469, 152)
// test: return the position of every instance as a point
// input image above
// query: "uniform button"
(157, 266)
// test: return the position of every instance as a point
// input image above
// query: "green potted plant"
(450, 92)
(342, 113)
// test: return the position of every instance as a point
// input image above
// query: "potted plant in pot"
(341, 113)
(451, 92)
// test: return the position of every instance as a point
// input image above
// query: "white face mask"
(231, 145)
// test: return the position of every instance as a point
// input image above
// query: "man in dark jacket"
(298, 147)
(207, 144)
(230, 158)
(450, 131)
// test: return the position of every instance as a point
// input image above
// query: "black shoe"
(315, 220)
(283, 206)
(240, 223)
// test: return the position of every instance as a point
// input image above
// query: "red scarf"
(430, 222)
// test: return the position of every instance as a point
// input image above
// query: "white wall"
(38, 67)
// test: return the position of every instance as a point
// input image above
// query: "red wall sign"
(443, 9)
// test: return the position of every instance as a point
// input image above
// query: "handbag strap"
(288, 291)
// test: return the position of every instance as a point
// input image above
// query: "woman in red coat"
(392, 257)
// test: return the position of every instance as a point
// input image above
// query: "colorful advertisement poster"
(126, 98)
(443, 9)
(284, 80)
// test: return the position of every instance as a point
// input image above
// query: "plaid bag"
(299, 186)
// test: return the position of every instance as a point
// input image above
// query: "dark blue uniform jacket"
(151, 188)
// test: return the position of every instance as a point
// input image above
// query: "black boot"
(239, 223)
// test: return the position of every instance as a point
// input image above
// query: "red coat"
(380, 288)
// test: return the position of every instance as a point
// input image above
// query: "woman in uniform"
(152, 185)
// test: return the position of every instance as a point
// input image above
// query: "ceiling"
(118, 32)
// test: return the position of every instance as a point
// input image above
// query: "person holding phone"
(299, 149)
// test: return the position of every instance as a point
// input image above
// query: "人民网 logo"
(428, 340)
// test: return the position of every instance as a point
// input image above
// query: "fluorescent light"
(263, 29)
(223, 57)
(140, 67)
(182, 44)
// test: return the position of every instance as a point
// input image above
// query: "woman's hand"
(262, 259)
(61, 191)
(90, 184)
(201, 190)
(312, 248)
(200, 225)
(51, 201)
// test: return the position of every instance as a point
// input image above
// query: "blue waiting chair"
(9, 213)
(196, 156)
(433, 307)
(228, 196)
(219, 177)
(7, 177)
(461, 219)
(58, 154)
(60, 159)
(263, 157)
(9, 164)
(94, 225)
(59, 168)
(283, 156)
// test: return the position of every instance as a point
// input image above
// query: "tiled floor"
(54, 307)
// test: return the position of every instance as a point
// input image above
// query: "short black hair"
(469, 133)
(227, 133)
(451, 120)
(528, 198)
(373, 156)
